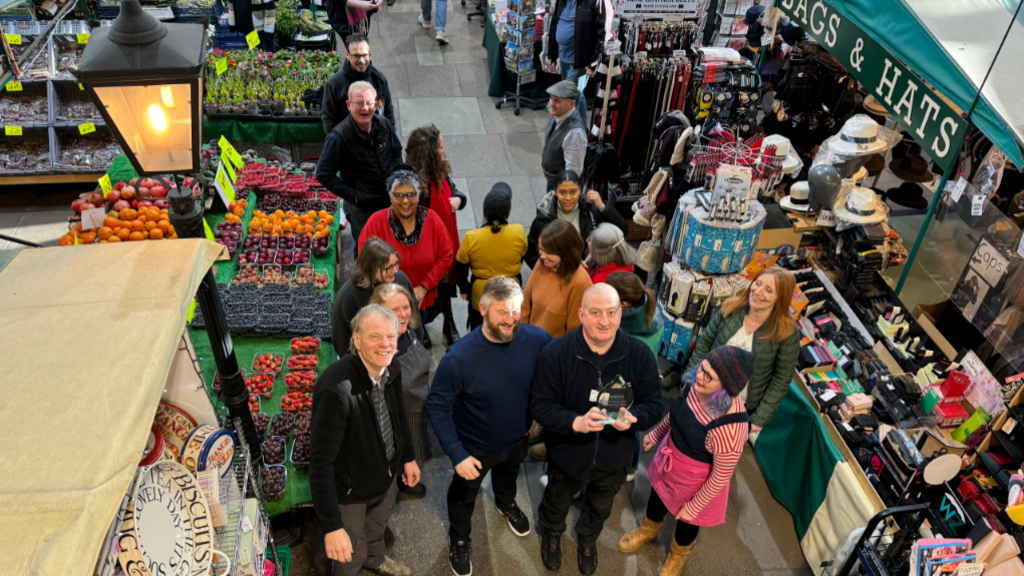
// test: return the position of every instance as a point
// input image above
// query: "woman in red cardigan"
(417, 233)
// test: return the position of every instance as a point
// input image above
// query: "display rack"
(519, 53)
(729, 27)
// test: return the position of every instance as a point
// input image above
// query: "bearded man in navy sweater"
(479, 407)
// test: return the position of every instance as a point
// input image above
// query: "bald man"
(589, 438)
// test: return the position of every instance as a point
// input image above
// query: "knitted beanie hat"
(734, 367)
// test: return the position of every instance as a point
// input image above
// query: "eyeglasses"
(394, 267)
(360, 56)
(702, 376)
(406, 196)
(363, 103)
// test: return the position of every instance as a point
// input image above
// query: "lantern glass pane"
(155, 121)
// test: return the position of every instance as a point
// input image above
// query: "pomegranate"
(147, 183)
(77, 206)
(158, 191)
(121, 205)
(114, 196)
(128, 192)
(119, 186)
(145, 192)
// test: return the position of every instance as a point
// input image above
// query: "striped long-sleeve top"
(725, 444)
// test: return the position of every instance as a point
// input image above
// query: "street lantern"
(145, 77)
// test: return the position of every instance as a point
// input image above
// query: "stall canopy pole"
(940, 191)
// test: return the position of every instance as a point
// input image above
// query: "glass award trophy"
(614, 395)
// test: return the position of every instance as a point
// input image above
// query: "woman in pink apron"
(699, 445)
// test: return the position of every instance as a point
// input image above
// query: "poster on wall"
(667, 9)
(974, 293)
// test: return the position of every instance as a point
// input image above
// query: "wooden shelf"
(50, 179)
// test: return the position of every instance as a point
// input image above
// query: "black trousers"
(597, 503)
(656, 511)
(504, 469)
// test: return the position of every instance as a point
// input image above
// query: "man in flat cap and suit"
(565, 139)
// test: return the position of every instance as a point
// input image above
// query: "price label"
(226, 149)
(612, 47)
(191, 311)
(246, 525)
(679, 53)
(83, 38)
(87, 128)
(957, 190)
(228, 168)
(221, 65)
(641, 54)
(825, 219)
(13, 39)
(253, 38)
(93, 218)
(14, 86)
(209, 233)
(977, 203)
(12, 131)
(223, 185)
(75, 236)
(105, 185)
(80, 87)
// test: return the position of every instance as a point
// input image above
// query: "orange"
(171, 230)
(173, 236)
(163, 225)
(105, 232)
(86, 238)
(129, 214)
(153, 213)
(66, 240)
(279, 213)
(135, 236)
(138, 225)
(150, 225)
(114, 239)
(110, 222)
(143, 218)
(124, 233)
(156, 234)
(330, 219)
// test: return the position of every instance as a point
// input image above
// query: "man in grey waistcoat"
(565, 139)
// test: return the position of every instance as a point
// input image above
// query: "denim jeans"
(574, 75)
(442, 13)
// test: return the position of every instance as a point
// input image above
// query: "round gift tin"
(218, 452)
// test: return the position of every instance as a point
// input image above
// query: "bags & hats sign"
(920, 111)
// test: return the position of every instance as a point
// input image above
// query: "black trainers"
(586, 558)
(411, 492)
(458, 555)
(551, 551)
(517, 521)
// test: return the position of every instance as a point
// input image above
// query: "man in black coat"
(357, 68)
(359, 442)
(575, 39)
(587, 447)
(364, 149)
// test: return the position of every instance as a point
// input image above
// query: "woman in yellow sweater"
(554, 292)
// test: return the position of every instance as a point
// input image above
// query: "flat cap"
(564, 89)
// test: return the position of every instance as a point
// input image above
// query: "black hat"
(906, 145)
(909, 194)
(498, 202)
(753, 14)
(734, 367)
(792, 34)
(911, 168)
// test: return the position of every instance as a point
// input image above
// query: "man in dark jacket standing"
(357, 68)
(575, 39)
(359, 441)
(365, 149)
(587, 447)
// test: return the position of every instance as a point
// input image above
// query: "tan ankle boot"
(676, 559)
(647, 531)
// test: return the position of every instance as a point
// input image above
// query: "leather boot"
(676, 559)
(647, 531)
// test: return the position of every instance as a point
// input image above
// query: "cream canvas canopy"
(87, 336)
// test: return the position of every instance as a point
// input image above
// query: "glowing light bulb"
(167, 96)
(156, 118)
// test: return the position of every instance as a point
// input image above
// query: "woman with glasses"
(377, 263)
(567, 203)
(417, 234)
(425, 152)
(699, 445)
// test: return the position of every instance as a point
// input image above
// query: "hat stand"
(534, 103)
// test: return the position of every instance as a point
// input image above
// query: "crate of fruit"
(281, 424)
(254, 403)
(300, 452)
(261, 384)
(305, 345)
(297, 401)
(268, 362)
(303, 361)
(273, 450)
(303, 381)
(272, 481)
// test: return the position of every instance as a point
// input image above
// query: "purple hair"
(719, 403)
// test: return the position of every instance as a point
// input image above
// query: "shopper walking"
(555, 289)
(439, 23)
(426, 154)
(479, 407)
(565, 138)
(357, 68)
(757, 320)
(359, 442)
(564, 202)
(350, 17)
(377, 264)
(578, 29)
(417, 234)
(364, 149)
(609, 252)
(690, 473)
(573, 374)
(414, 361)
(495, 249)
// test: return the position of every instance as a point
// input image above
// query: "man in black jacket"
(359, 440)
(587, 447)
(356, 68)
(365, 149)
(575, 39)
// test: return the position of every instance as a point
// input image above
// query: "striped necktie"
(384, 417)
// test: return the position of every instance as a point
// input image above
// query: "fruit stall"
(138, 434)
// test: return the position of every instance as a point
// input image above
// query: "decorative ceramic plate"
(154, 447)
(128, 552)
(175, 425)
(172, 522)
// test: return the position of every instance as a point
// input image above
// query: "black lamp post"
(145, 77)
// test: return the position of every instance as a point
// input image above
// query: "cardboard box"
(932, 440)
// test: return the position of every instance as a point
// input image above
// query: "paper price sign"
(222, 65)
(93, 218)
(223, 185)
(957, 190)
(87, 128)
(14, 86)
(80, 87)
(253, 38)
(191, 311)
(209, 233)
(83, 38)
(105, 185)
(977, 203)
(229, 168)
(12, 131)
(13, 39)
(226, 149)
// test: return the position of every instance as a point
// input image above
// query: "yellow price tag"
(222, 65)
(225, 186)
(227, 149)
(80, 87)
(191, 311)
(13, 39)
(12, 131)
(83, 38)
(75, 236)
(105, 185)
(87, 128)
(209, 233)
(253, 38)
(14, 86)
(229, 169)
